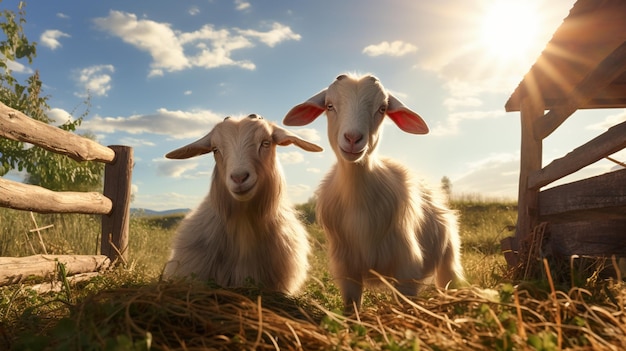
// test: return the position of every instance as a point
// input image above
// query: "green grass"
(129, 308)
(483, 224)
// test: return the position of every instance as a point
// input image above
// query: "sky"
(160, 74)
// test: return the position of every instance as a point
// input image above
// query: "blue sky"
(161, 73)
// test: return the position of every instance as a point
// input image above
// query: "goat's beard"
(352, 157)
(243, 196)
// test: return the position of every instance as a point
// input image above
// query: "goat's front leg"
(351, 292)
(408, 287)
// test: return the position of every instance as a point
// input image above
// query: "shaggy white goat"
(374, 216)
(245, 228)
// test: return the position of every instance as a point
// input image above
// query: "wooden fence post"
(115, 225)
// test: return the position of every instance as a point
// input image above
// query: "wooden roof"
(584, 64)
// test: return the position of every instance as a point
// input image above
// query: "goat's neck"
(358, 170)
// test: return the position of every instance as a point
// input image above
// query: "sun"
(509, 28)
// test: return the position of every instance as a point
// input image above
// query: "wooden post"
(532, 109)
(115, 225)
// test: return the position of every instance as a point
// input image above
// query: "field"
(130, 307)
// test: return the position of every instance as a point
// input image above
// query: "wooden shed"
(583, 66)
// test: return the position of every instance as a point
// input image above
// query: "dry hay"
(194, 316)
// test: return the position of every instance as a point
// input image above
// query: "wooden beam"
(531, 110)
(599, 238)
(605, 73)
(15, 125)
(115, 225)
(16, 269)
(600, 147)
(597, 198)
(28, 197)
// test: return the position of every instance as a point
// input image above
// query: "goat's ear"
(284, 137)
(306, 112)
(404, 118)
(199, 147)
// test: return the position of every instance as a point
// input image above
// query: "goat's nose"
(353, 137)
(239, 177)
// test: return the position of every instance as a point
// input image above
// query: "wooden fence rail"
(113, 203)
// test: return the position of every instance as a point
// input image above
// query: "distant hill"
(150, 213)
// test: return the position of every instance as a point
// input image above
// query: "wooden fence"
(113, 204)
(582, 67)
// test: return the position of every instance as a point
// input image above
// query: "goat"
(245, 228)
(374, 216)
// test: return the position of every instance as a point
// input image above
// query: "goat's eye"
(330, 107)
(266, 143)
(382, 109)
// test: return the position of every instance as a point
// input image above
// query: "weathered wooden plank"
(597, 238)
(28, 197)
(115, 225)
(531, 153)
(600, 147)
(16, 269)
(17, 126)
(597, 198)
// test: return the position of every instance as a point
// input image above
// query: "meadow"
(131, 308)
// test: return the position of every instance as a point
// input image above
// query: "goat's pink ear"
(284, 137)
(306, 112)
(199, 147)
(404, 118)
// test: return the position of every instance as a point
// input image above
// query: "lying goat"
(245, 228)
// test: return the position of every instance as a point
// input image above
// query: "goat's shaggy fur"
(245, 230)
(374, 216)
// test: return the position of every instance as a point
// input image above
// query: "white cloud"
(96, 80)
(215, 47)
(156, 38)
(451, 125)
(194, 10)
(290, 158)
(395, 48)
(173, 50)
(62, 15)
(175, 124)
(496, 175)
(15, 66)
(309, 134)
(59, 115)
(50, 38)
(187, 92)
(277, 34)
(452, 103)
(609, 121)
(175, 168)
(134, 142)
(134, 189)
(241, 5)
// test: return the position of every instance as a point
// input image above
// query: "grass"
(129, 308)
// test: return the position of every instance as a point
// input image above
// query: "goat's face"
(245, 153)
(355, 107)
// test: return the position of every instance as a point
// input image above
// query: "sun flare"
(509, 28)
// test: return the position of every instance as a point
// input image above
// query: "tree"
(45, 168)
(446, 186)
